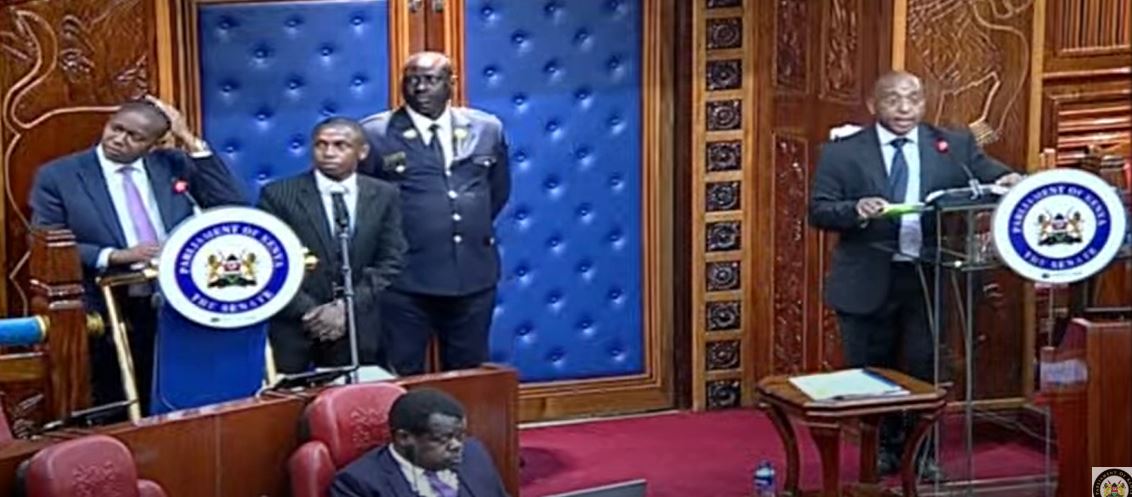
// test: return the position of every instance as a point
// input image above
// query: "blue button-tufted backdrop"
(565, 78)
(270, 71)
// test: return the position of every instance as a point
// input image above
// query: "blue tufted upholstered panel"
(270, 71)
(565, 78)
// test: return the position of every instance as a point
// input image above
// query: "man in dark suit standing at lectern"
(878, 292)
(311, 330)
(451, 164)
(120, 201)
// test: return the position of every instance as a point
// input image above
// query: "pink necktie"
(143, 228)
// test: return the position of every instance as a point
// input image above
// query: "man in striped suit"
(311, 330)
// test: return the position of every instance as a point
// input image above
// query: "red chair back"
(343, 423)
(92, 466)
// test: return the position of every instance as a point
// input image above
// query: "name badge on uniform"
(484, 161)
(394, 162)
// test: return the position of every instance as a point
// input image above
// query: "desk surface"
(923, 396)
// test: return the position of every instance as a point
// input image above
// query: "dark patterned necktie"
(434, 145)
(898, 176)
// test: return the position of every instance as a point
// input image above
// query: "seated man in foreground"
(427, 457)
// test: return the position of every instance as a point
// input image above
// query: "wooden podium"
(1087, 384)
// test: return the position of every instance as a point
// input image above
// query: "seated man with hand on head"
(428, 456)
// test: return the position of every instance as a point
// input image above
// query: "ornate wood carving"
(977, 63)
(724, 155)
(724, 115)
(722, 394)
(791, 47)
(65, 68)
(723, 276)
(842, 56)
(723, 355)
(723, 196)
(1091, 27)
(724, 74)
(723, 235)
(724, 33)
(791, 182)
(724, 315)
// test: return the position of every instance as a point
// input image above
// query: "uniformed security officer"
(451, 164)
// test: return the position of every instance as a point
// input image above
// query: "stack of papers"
(847, 384)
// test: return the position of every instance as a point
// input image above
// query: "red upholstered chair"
(343, 424)
(92, 466)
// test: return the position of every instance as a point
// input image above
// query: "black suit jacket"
(853, 168)
(377, 474)
(376, 252)
(71, 193)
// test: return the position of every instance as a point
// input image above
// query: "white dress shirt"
(348, 187)
(114, 184)
(423, 125)
(911, 236)
(415, 475)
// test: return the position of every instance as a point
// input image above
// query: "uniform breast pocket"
(393, 166)
(483, 161)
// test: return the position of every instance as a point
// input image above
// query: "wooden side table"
(781, 400)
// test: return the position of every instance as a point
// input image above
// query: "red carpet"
(702, 455)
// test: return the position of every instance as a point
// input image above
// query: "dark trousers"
(460, 323)
(898, 330)
(299, 354)
(141, 326)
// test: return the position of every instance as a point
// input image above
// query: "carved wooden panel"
(791, 46)
(974, 57)
(723, 315)
(66, 64)
(790, 186)
(842, 55)
(1090, 27)
(1077, 116)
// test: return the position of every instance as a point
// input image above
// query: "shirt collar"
(887, 136)
(325, 183)
(422, 123)
(109, 166)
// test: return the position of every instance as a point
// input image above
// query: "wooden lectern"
(51, 381)
(1087, 383)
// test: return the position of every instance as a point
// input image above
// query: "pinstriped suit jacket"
(376, 251)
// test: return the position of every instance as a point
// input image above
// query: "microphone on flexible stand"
(944, 148)
(181, 187)
(346, 285)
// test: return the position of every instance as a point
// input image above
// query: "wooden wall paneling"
(975, 59)
(1087, 35)
(825, 56)
(64, 69)
(722, 245)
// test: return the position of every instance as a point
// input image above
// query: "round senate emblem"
(231, 267)
(1059, 226)
(1112, 482)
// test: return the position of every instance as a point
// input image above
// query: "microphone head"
(180, 186)
(942, 146)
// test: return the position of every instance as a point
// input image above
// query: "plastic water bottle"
(764, 480)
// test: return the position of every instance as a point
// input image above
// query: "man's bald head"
(426, 83)
(428, 60)
(898, 101)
